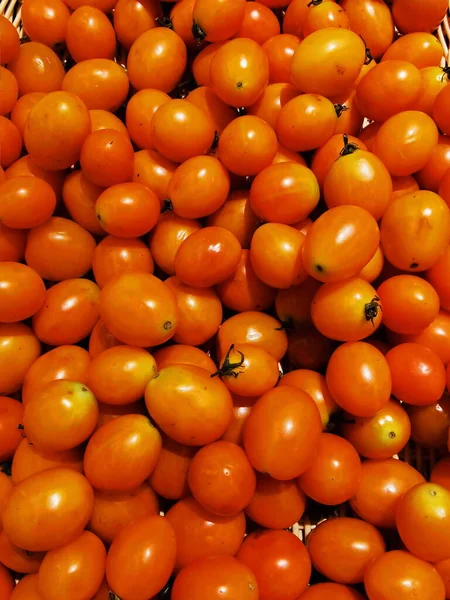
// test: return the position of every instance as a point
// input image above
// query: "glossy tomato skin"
(167, 236)
(437, 277)
(80, 196)
(410, 17)
(28, 460)
(330, 591)
(199, 533)
(292, 306)
(107, 157)
(182, 354)
(217, 21)
(133, 18)
(37, 68)
(394, 573)
(355, 542)
(19, 348)
(11, 417)
(419, 48)
(141, 558)
(90, 34)
(383, 483)
(169, 478)
(16, 559)
(215, 578)
(279, 561)
(259, 23)
(53, 524)
(373, 21)
(237, 216)
(206, 404)
(115, 255)
(6, 582)
(277, 440)
(10, 40)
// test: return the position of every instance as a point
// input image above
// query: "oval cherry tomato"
(37, 68)
(169, 478)
(132, 18)
(181, 354)
(28, 460)
(80, 196)
(10, 42)
(11, 417)
(114, 256)
(410, 17)
(438, 279)
(22, 292)
(90, 34)
(18, 560)
(419, 48)
(237, 217)
(33, 195)
(19, 348)
(372, 20)
(293, 305)
(259, 23)
(324, 157)
(429, 424)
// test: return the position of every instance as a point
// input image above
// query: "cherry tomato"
(169, 477)
(220, 113)
(433, 80)
(6, 487)
(19, 348)
(103, 119)
(217, 20)
(16, 559)
(28, 460)
(432, 175)
(139, 114)
(154, 171)
(45, 22)
(167, 236)
(330, 591)
(132, 18)
(437, 276)
(180, 354)
(11, 417)
(355, 542)
(103, 5)
(413, 16)
(201, 66)
(440, 112)
(80, 196)
(271, 101)
(442, 567)
(22, 292)
(9, 91)
(10, 42)
(235, 430)
(12, 244)
(440, 473)
(11, 141)
(6, 583)
(26, 202)
(114, 256)
(419, 48)
(90, 34)
(259, 23)
(429, 424)
(107, 158)
(37, 68)
(325, 156)
(181, 17)
(237, 217)
(279, 561)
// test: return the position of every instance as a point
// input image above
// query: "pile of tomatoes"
(224, 300)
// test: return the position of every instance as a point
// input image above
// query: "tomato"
(413, 16)
(333, 476)
(405, 142)
(6, 487)
(380, 436)
(442, 567)
(325, 156)
(383, 483)
(280, 50)
(433, 81)
(281, 433)
(27, 589)
(115, 510)
(69, 313)
(11, 141)
(109, 412)
(77, 569)
(403, 185)
(259, 23)
(200, 533)
(355, 542)
(340, 243)
(157, 60)
(181, 354)
(199, 312)
(18, 560)
(295, 16)
(419, 48)
(216, 249)
(444, 189)
(59, 249)
(22, 292)
(220, 113)
(10, 43)
(6, 583)
(206, 403)
(101, 339)
(372, 270)
(139, 114)
(169, 478)
(372, 20)
(122, 453)
(141, 558)
(308, 349)
(248, 370)
(359, 178)
(432, 175)
(239, 72)
(152, 316)
(114, 256)
(103, 119)
(276, 504)
(215, 578)
(270, 102)
(26, 202)
(68, 119)
(182, 21)
(90, 34)
(292, 305)
(107, 158)
(440, 112)
(48, 524)
(12, 244)
(436, 337)
(37, 69)
(235, 430)
(103, 592)
(167, 236)
(437, 276)
(330, 591)
(132, 18)
(418, 374)
(28, 460)
(237, 217)
(202, 63)
(9, 91)
(243, 290)
(276, 255)
(154, 171)
(323, 15)
(19, 348)
(61, 416)
(80, 196)
(218, 20)
(279, 561)
(440, 473)
(328, 61)
(45, 22)
(284, 193)
(103, 5)
(429, 424)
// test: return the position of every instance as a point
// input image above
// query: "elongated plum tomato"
(340, 243)
(415, 231)
(189, 405)
(292, 412)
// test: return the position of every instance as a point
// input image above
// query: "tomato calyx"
(349, 147)
(165, 22)
(314, 3)
(340, 108)
(198, 33)
(445, 73)
(228, 368)
(371, 309)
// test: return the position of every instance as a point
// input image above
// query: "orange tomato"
(419, 48)
(28, 460)
(90, 34)
(169, 477)
(429, 424)
(19, 348)
(37, 68)
(22, 292)
(45, 22)
(271, 101)
(80, 196)
(114, 256)
(237, 217)
(132, 18)
(259, 23)
(413, 16)
(11, 419)
(292, 306)
(10, 42)
(372, 20)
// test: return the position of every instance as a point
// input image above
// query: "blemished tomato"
(276, 255)
(182, 354)
(405, 142)
(271, 101)
(355, 542)
(133, 18)
(90, 34)
(418, 374)
(114, 256)
(205, 401)
(169, 477)
(34, 522)
(279, 561)
(80, 196)
(330, 591)
(247, 145)
(139, 309)
(22, 292)
(28, 460)
(276, 504)
(217, 20)
(340, 243)
(221, 478)
(107, 158)
(141, 558)
(115, 510)
(37, 68)
(60, 416)
(419, 48)
(383, 483)
(253, 327)
(328, 61)
(216, 249)
(215, 578)
(11, 416)
(413, 16)
(16, 559)
(325, 156)
(430, 424)
(6, 583)
(415, 231)
(76, 569)
(282, 432)
(333, 476)
(237, 217)
(167, 236)
(69, 312)
(259, 23)
(380, 436)
(200, 533)
(239, 72)
(292, 306)
(26, 202)
(19, 348)
(10, 42)
(358, 177)
(59, 249)
(122, 454)
(284, 193)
